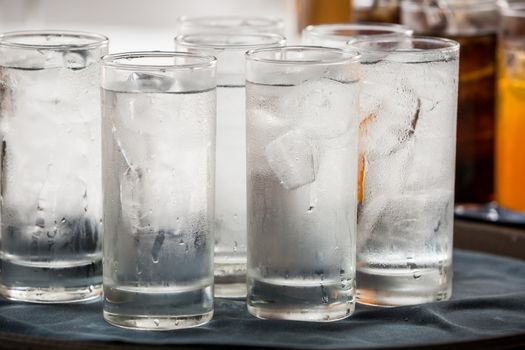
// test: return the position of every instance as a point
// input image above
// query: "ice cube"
(149, 82)
(404, 221)
(293, 158)
(385, 174)
(431, 165)
(71, 195)
(131, 198)
(175, 190)
(75, 59)
(324, 108)
(393, 125)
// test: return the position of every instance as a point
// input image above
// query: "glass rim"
(203, 20)
(449, 46)
(325, 30)
(343, 55)
(512, 9)
(276, 40)
(112, 60)
(97, 40)
(476, 5)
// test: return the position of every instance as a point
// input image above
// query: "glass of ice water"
(338, 35)
(221, 24)
(50, 166)
(158, 147)
(230, 186)
(406, 178)
(302, 118)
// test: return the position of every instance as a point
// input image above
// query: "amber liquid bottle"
(474, 26)
(384, 11)
(322, 12)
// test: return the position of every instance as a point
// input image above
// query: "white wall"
(132, 24)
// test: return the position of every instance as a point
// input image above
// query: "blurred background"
(133, 24)
(490, 167)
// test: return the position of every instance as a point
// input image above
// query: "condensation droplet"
(416, 275)
(156, 322)
(324, 296)
(235, 246)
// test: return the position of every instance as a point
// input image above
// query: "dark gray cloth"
(488, 301)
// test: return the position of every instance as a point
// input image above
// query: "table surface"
(468, 235)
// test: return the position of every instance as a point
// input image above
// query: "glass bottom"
(54, 281)
(327, 313)
(315, 301)
(159, 307)
(230, 280)
(157, 323)
(51, 295)
(230, 290)
(387, 287)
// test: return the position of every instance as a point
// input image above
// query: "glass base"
(384, 288)
(230, 280)
(66, 281)
(300, 300)
(51, 295)
(157, 323)
(327, 313)
(230, 290)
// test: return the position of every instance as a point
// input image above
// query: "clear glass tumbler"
(510, 143)
(230, 185)
(338, 35)
(474, 24)
(50, 166)
(158, 147)
(220, 24)
(302, 117)
(406, 176)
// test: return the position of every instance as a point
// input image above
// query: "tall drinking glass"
(221, 24)
(302, 116)
(50, 166)
(158, 147)
(510, 143)
(386, 11)
(338, 35)
(408, 138)
(474, 24)
(230, 185)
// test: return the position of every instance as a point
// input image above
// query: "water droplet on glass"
(311, 208)
(416, 275)
(181, 242)
(235, 246)
(324, 296)
(156, 322)
(411, 263)
(157, 245)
